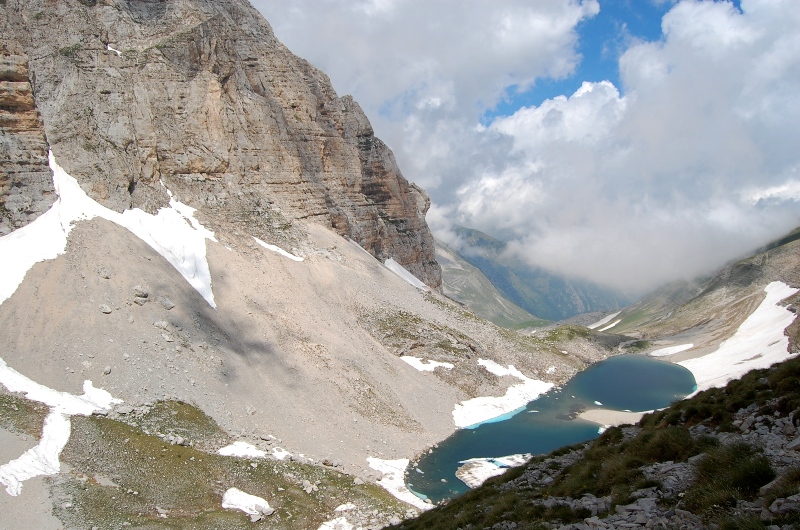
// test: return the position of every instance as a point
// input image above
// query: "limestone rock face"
(199, 95)
(26, 186)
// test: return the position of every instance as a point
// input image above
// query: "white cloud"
(691, 162)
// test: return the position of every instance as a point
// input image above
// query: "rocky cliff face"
(26, 186)
(201, 96)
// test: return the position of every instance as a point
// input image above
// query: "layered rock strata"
(26, 186)
(200, 96)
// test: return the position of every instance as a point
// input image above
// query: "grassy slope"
(611, 464)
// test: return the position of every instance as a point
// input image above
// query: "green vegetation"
(120, 474)
(612, 465)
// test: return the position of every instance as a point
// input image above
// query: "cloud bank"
(693, 161)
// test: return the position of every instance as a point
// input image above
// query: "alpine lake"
(633, 383)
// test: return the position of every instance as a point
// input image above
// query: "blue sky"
(602, 39)
(654, 139)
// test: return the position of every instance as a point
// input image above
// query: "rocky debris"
(164, 302)
(26, 184)
(104, 308)
(308, 487)
(655, 507)
(205, 99)
(103, 273)
(107, 370)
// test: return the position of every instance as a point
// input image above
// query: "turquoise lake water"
(626, 382)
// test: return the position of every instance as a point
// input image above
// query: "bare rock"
(104, 308)
(219, 111)
(140, 292)
(164, 302)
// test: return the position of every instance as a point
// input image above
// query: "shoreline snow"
(474, 412)
(173, 232)
(44, 458)
(476, 471)
(393, 480)
(758, 343)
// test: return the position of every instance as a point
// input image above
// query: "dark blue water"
(627, 382)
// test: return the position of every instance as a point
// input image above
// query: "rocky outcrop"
(200, 96)
(26, 186)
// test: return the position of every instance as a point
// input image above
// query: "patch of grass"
(637, 346)
(727, 474)
(19, 415)
(121, 475)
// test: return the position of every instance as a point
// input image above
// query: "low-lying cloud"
(692, 162)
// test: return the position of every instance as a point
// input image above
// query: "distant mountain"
(466, 284)
(542, 293)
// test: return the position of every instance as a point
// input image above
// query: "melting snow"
(280, 453)
(168, 233)
(236, 499)
(109, 48)
(611, 325)
(424, 366)
(44, 458)
(340, 523)
(242, 449)
(758, 343)
(398, 269)
(473, 412)
(670, 350)
(604, 320)
(279, 250)
(393, 480)
(476, 471)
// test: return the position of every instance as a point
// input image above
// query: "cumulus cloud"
(691, 162)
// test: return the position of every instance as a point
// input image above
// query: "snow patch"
(109, 48)
(611, 325)
(398, 269)
(345, 507)
(604, 320)
(758, 343)
(340, 523)
(242, 450)
(424, 366)
(476, 471)
(168, 233)
(278, 250)
(393, 480)
(236, 499)
(280, 453)
(670, 350)
(474, 412)
(43, 459)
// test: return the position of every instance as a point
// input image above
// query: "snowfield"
(173, 232)
(278, 250)
(425, 366)
(393, 480)
(398, 269)
(474, 412)
(670, 350)
(476, 471)
(43, 459)
(758, 343)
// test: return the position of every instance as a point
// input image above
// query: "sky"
(625, 142)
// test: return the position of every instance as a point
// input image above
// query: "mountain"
(135, 97)
(210, 295)
(541, 293)
(465, 283)
(725, 457)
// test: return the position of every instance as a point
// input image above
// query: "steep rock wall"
(201, 96)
